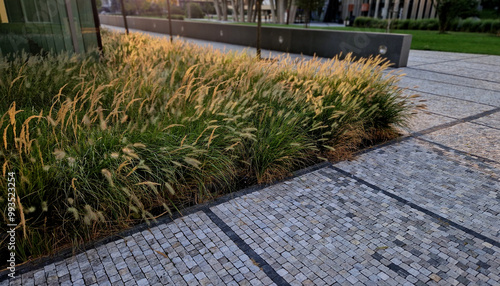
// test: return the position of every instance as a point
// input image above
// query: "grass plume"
(156, 126)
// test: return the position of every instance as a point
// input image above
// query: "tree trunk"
(250, 10)
(273, 12)
(169, 21)
(280, 7)
(259, 25)
(308, 16)
(188, 9)
(242, 10)
(442, 8)
(217, 9)
(293, 12)
(289, 11)
(124, 14)
(224, 10)
(443, 23)
(235, 12)
(336, 9)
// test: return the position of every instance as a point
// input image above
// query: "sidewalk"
(424, 210)
(312, 24)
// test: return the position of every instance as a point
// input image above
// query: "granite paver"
(464, 69)
(191, 250)
(437, 76)
(449, 106)
(328, 223)
(492, 121)
(484, 96)
(456, 186)
(424, 210)
(471, 138)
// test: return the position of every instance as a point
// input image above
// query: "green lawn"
(460, 42)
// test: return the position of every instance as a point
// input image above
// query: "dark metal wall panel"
(48, 26)
(322, 43)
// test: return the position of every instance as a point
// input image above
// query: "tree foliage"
(138, 7)
(196, 11)
(309, 6)
(492, 5)
(448, 10)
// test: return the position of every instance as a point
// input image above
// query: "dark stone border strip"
(456, 122)
(456, 118)
(418, 135)
(455, 84)
(382, 145)
(450, 74)
(448, 61)
(68, 252)
(485, 125)
(482, 63)
(448, 96)
(419, 208)
(470, 157)
(268, 269)
(450, 149)
(470, 68)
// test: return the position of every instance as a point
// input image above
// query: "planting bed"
(97, 145)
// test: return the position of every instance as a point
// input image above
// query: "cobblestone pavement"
(424, 210)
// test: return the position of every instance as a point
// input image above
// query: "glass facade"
(48, 25)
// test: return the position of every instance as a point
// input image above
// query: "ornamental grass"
(152, 127)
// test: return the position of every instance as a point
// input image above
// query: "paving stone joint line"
(450, 74)
(419, 208)
(330, 227)
(452, 97)
(450, 61)
(268, 269)
(456, 118)
(64, 254)
(456, 122)
(447, 148)
(472, 157)
(456, 84)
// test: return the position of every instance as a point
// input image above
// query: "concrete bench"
(322, 43)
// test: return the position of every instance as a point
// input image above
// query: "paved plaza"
(421, 210)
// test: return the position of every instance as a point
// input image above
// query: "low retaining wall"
(322, 43)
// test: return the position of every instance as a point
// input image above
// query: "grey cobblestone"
(353, 216)
(455, 188)
(128, 262)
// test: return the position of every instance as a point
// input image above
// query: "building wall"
(396, 9)
(3, 13)
(40, 26)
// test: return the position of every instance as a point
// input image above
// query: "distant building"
(41, 26)
(383, 9)
(106, 5)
